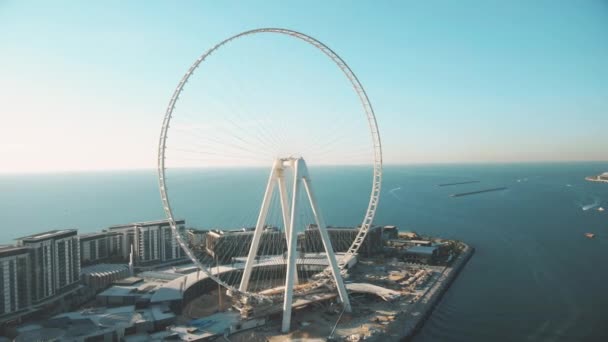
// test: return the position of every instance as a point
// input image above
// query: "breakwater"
(434, 294)
(458, 183)
(478, 192)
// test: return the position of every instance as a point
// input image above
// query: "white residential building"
(14, 282)
(153, 242)
(55, 261)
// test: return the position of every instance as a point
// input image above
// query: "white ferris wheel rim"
(372, 123)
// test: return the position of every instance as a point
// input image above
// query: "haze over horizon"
(85, 85)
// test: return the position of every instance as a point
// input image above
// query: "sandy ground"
(204, 305)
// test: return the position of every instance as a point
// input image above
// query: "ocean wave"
(595, 203)
(392, 192)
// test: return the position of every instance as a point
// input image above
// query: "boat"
(600, 209)
(590, 235)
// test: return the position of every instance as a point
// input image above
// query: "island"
(394, 282)
(599, 178)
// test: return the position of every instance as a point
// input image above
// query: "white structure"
(14, 279)
(289, 209)
(55, 261)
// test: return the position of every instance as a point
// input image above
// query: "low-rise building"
(421, 254)
(390, 232)
(100, 276)
(98, 324)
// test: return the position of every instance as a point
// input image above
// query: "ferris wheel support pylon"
(301, 178)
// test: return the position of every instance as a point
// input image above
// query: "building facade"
(14, 279)
(94, 248)
(54, 262)
(224, 245)
(153, 242)
(341, 239)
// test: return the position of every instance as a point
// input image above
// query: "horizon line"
(435, 163)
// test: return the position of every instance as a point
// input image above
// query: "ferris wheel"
(219, 139)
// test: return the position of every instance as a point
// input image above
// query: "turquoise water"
(534, 276)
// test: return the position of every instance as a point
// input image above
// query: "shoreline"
(439, 289)
(408, 324)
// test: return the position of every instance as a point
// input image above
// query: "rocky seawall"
(407, 324)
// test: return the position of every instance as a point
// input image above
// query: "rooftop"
(8, 250)
(173, 289)
(197, 330)
(90, 236)
(51, 234)
(128, 281)
(428, 250)
(103, 268)
(90, 323)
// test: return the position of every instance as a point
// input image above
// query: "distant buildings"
(341, 239)
(225, 245)
(153, 242)
(46, 267)
(94, 248)
(106, 246)
(599, 178)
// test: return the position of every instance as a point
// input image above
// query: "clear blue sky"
(84, 85)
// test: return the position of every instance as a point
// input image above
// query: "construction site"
(392, 290)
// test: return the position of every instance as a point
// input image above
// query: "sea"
(534, 275)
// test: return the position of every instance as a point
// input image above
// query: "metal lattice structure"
(371, 120)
